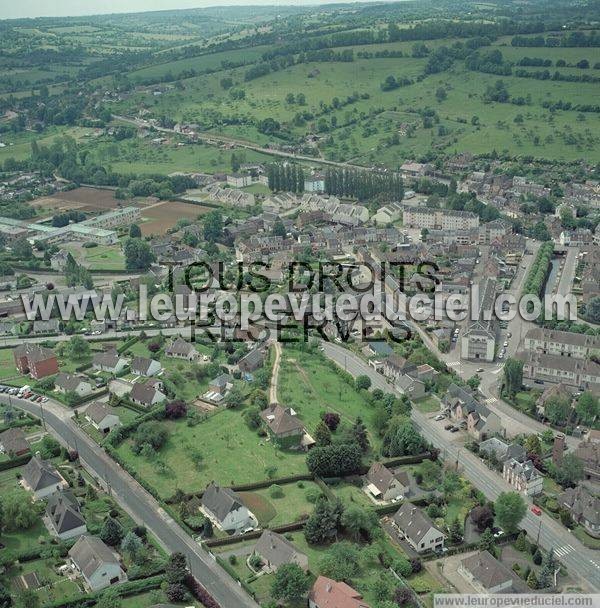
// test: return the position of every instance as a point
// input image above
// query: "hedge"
(15, 462)
(27, 421)
(236, 538)
(8, 557)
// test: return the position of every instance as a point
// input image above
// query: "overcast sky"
(62, 8)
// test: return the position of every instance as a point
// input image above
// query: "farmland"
(159, 217)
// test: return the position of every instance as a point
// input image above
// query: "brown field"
(158, 218)
(86, 199)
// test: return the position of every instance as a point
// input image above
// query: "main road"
(552, 535)
(143, 507)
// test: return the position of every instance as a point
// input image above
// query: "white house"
(63, 516)
(98, 565)
(225, 509)
(142, 366)
(102, 417)
(418, 530)
(71, 383)
(42, 478)
(109, 361)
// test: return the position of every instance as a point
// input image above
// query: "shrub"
(276, 491)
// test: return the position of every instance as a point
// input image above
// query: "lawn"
(586, 539)
(292, 506)
(350, 494)
(143, 600)
(54, 586)
(427, 405)
(310, 386)
(102, 257)
(233, 454)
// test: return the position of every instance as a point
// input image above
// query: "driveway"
(449, 568)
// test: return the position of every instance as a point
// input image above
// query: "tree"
(253, 420)
(235, 398)
(290, 583)
(176, 592)
(138, 255)
(322, 434)
(592, 310)
(213, 226)
(322, 525)
(474, 382)
(532, 581)
(533, 445)
(19, 514)
(482, 517)
(342, 562)
(332, 420)
(549, 567)
(176, 568)
(455, 531)
(28, 598)
(357, 520)
(570, 470)
(363, 382)
(22, 249)
(513, 376)
(441, 94)
(112, 532)
(587, 408)
(487, 542)
(175, 409)
(403, 596)
(402, 439)
(5, 598)
(510, 509)
(109, 599)
(78, 348)
(334, 460)
(557, 409)
(135, 232)
(360, 435)
(133, 546)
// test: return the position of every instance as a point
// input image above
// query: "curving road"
(143, 507)
(578, 559)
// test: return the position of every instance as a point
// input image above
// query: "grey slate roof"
(487, 570)
(276, 549)
(13, 440)
(69, 382)
(40, 474)
(89, 553)
(582, 504)
(220, 501)
(413, 522)
(63, 510)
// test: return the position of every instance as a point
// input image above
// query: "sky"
(64, 8)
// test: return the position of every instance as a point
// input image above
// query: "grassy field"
(221, 439)
(102, 257)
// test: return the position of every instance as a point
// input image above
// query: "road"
(275, 373)
(578, 559)
(139, 504)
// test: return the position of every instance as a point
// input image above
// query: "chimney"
(558, 449)
(328, 588)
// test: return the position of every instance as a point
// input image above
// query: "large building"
(439, 219)
(561, 343)
(37, 361)
(478, 342)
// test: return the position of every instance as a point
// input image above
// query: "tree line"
(285, 177)
(362, 185)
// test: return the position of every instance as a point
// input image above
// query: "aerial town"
(159, 162)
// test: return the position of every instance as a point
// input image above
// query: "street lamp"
(539, 531)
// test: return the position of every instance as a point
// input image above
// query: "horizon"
(36, 9)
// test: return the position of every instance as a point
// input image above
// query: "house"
(589, 453)
(460, 405)
(488, 575)
(523, 476)
(225, 509)
(109, 361)
(555, 390)
(219, 387)
(41, 477)
(413, 388)
(13, 443)
(378, 349)
(252, 361)
(327, 593)
(71, 383)
(239, 180)
(51, 326)
(275, 551)
(102, 417)
(142, 366)
(315, 183)
(180, 349)
(35, 360)
(418, 530)
(385, 485)
(63, 516)
(584, 508)
(501, 450)
(395, 366)
(283, 425)
(561, 343)
(148, 393)
(98, 565)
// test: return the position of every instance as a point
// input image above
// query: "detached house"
(327, 593)
(109, 361)
(102, 417)
(63, 516)
(488, 575)
(147, 393)
(225, 509)
(13, 443)
(98, 565)
(523, 476)
(584, 508)
(395, 366)
(275, 551)
(71, 383)
(383, 484)
(41, 477)
(142, 366)
(418, 530)
(180, 349)
(252, 361)
(459, 404)
(37, 361)
(283, 425)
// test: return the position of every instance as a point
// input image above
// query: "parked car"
(440, 417)
(536, 510)
(448, 427)
(454, 429)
